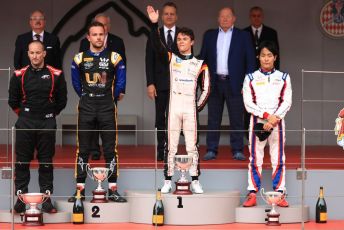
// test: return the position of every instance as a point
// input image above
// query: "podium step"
(198, 209)
(257, 214)
(60, 217)
(99, 212)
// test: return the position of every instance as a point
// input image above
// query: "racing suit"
(187, 73)
(267, 93)
(37, 96)
(98, 79)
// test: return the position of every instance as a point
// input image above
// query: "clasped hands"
(273, 120)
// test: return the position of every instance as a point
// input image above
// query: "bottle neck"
(78, 194)
(321, 193)
(158, 195)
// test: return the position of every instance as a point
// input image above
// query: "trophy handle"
(262, 193)
(46, 196)
(88, 169)
(19, 192)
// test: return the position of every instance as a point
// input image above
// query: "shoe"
(251, 200)
(239, 156)
(72, 198)
(209, 156)
(19, 206)
(48, 207)
(283, 203)
(95, 156)
(167, 188)
(196, 187)
(115, 196)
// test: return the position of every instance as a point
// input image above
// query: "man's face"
(96, 36)
(226, 19)
(184, 43)
(106, 22)
(169, 16)
(37, 21)
(36, 54)
(256, 18)
(266, 59)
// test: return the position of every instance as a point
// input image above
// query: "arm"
(57, 54)
(14, 94)
(76, 79)
(121, 50)
(60, 94)
(286, 97)
(120, 73)
(150, 70)
(250, 54)
(205, 87)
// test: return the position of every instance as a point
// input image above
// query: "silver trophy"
(99, 174)
(33, 216)
(183, 163)
(272, 198)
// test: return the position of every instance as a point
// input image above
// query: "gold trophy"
(99, 174)
(183, 163)
(33, 216)
(272, 198)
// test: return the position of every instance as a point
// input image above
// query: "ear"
(192, 42)
(44, 53)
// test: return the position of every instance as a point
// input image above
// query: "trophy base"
(99, 197)
(33, 219)
(273, 220)
(182, 188)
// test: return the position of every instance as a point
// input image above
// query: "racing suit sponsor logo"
(45, 76)
(81, 163)
(88, 65)
(89, 59)
(104, 63)
(112, 165)
(179, 60)
(103, 77)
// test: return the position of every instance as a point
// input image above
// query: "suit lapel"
(214, 44)
(162, 36)
(233, 42)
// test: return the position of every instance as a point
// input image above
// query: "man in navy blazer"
(229, 53)
(50, 41)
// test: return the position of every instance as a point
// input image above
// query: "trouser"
(93, 112)
(276, 143)
(221, 94)
(161, 103)
(95, 148)
(182, 117)
(42, 138)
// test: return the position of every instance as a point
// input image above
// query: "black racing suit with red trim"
(98, 79)
(37, 96)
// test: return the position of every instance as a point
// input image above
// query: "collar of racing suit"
(185, 57)
(96, 54)
(267, 72)
(36, 69)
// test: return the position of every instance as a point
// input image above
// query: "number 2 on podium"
(95, 211)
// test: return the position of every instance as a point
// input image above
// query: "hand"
(151, 91)
(153, 14)
(120, 97)
(273, 120)
(267, 126)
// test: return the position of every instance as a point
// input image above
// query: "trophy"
(33, 216)
(98, 174)
(272, 198)
(183, 163)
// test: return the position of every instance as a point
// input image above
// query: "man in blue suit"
(229, 53)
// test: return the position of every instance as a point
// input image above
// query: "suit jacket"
(268, 34)
(52, 46)
(113, 43)
(241, 58)
(157, 71)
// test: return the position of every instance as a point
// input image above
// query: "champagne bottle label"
(323, 216)
(78, 217)
(158, 219)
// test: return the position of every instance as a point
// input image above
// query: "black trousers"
(161, 105)
(96, 113)
(41, 138)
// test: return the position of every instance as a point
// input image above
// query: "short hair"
(94, 24)
(229, 8)
(39, 11)
(187, 32)
(270, 45)
(258, 8)
(38, 42)
(170, 4)
(101, 15)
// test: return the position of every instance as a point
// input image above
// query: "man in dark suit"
(50, 41)
(260, 32)
(112, 43)
(157, 73)
(229, 53)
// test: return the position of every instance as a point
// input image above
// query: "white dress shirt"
(41, 35)
(260, 28)
(222, 47)
(173, 32)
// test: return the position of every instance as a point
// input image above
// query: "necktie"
(38, 37)
(169, 40)
(256, 38)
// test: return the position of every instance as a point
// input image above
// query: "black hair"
(94, 24)
(187, 32)
(170, 4)
(270, 45)
(258, 8)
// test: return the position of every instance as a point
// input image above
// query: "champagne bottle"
(321, 208)
(158, 210)
(78, 209)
